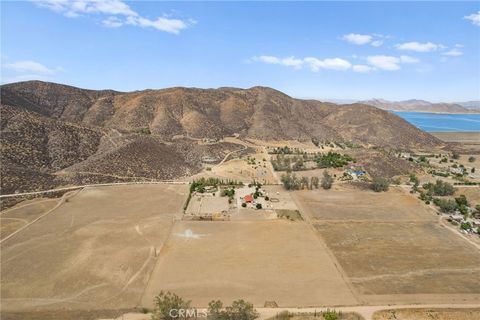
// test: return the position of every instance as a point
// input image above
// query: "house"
(456, 217)
(248, 198)
(355, 174)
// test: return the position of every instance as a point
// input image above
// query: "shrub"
(380, 184)
(327, 181)
(244, 205)
(471, 159)
(440, 188)
(330, 315)
(258, 206)
(166, 301)
(445, 205)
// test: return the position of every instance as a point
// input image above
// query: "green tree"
(314, 181)
(215, 310)
(445, 205)
(258, 206)
(241, 310)
(166, 301)
(380, 184)
(327, 180)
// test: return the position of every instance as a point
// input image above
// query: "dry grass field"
(258, 261)
(16, 217)
(381, 238)
(95, 251)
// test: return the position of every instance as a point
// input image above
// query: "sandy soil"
(240, 170)
(465, 137)
(391, 237)
(257, 261)
(94, 251)
(428, 314)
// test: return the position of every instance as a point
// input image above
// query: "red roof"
(248, 198)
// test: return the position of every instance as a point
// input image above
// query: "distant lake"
(442, 122)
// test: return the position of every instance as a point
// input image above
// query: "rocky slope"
(258, 112)
(53, 134)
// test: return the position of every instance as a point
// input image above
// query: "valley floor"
(116, 247)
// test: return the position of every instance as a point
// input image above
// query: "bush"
(244, 205)
(258, 206)
(471, 159)
(327, 181)
(380, 184)
(445, 205)
(239, 310)
(330, 315)
(440, 188)
(166, 301)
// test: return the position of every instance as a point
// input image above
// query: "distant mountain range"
(414, 105)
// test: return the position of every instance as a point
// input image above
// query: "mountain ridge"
(258, 112)
(415, 105)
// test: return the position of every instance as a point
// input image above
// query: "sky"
(323, 50)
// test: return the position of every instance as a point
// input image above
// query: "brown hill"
(54, 135)
(34, 146)
(258, 112)
(38, 153)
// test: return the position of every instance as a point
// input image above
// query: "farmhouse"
(248, 198)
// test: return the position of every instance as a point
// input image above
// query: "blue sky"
(323, 50)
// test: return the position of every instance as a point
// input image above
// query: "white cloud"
(408, 59)
(361, 68)
(331, 64)
(374, 63)
(459, 45)
(474, 18)
(388, 63)
(288, 62)
(78, 7)
(453, 53)
(356, 38)
(119, 13)
(314, 64)
(112, 22)
(375, 40)
(162, 24)
(418, 47)
(31, 67)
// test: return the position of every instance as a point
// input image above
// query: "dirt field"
(199, 205)
(348, 203)
(94, 251)
(472, 194)
(14, 218)
(428, 314)
(381, 238)
(258, 261)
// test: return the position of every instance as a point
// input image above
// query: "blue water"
(442, 122)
